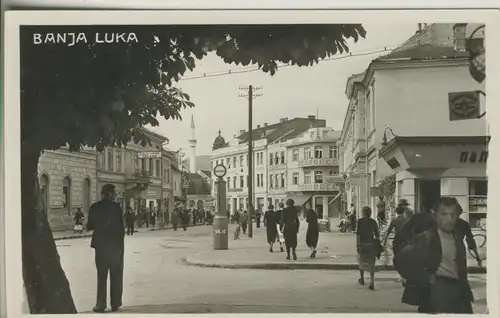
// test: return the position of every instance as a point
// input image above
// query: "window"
(241, 161)
(282, 180)
(234, 182)
(478, 195)
(168, 175)
(258, 180)
(228, 163)
(282, 157)
(118, 160)
(151, 167)
(44, 192)
(143, 165)
(318, 152)
(234, 162)
(318, 176)
(228, 182)
(270, 181)
(307, 177)
(277, 159)
(242, 182)
(261, 158)
(216, 163)
(307, 153)
(136, 163)
(295, 155)
(295, 178)
(277, 180)
(270, 159)
(67, 194)
(261, 179)
(110, 159)
(325, 133)
(102, 160)
(333, 152)
(158, 168)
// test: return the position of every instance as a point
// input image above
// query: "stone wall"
(77, 166)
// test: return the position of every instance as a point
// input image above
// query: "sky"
(292, 92)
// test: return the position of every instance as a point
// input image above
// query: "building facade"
(398, 124)
(67, 182)
(279, 173)
(72, 180)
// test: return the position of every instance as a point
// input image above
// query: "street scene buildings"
(369, 165)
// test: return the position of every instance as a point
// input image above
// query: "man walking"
(257, 218)
(434, 264)
(106, 220)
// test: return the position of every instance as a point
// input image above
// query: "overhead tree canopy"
(99, 94)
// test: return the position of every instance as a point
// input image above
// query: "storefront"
(429, 167)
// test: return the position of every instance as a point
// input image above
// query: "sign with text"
(149, 154)
(474, 156)
(319, 187)
(316, 162)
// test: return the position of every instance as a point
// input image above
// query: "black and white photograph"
(251, 163)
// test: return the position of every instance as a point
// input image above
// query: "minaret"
(192, 146)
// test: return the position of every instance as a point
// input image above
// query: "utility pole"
(251, 95)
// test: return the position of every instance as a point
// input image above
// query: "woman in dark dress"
(272, 219)
(312, 229)
(290, 227)
(367, 236)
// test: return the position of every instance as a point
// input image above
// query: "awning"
(300, 200)
(334, 199)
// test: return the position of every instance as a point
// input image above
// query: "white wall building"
(278, 173)
(404, 97)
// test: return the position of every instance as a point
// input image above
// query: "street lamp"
(384, 139)
(477, 56)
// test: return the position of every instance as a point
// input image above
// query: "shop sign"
(474, 156)
(318, 162)
(319, 187)
(149, 154)
(477, 201)
(463, 105)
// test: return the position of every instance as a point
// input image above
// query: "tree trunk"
(47, 288)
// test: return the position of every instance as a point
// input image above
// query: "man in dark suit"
(106, 220)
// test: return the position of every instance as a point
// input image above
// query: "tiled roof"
(291, 128)
(433, 42)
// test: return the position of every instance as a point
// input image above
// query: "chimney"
(459, 37)
(311, 117)
(265, 124)
(258, 126)
(242, 131)
(282, 120)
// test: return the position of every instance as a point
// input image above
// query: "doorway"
(428, 192)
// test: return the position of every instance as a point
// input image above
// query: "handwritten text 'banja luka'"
(71, 39)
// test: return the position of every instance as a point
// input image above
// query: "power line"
(254, 68)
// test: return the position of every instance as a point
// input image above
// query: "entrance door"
(428, 192)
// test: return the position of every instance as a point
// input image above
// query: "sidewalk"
(336, 251)
(68, 235)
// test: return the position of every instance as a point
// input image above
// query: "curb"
(77, 236)
(189, 260)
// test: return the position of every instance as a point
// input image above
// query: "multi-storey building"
(72, 180)
(398, 124)
(276, 166)
(313, 171)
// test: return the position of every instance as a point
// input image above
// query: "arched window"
(86, 194)
(44, 192)
(67, 194)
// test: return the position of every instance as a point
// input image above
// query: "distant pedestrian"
(237, 216)
(397, 225)
(312, 234)
(153, 218)
(434, 264)
(367, 244)
(78, 219)
(195, 216)
(228, 216)
(145, 217)
(106, 220)
(353, 218)
(290, 224)
(272, 220)
(244, 221)
(130, 220)
(185, 219)
(258, 215)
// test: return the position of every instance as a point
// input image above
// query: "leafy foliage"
(98, 94)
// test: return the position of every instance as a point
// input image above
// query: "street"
(156, 280)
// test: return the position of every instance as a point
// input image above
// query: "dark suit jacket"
(420, 259)
(106, 220)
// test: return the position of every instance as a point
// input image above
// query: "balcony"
(235, 190)
(141, 177)
(314, 187)
(318, 162)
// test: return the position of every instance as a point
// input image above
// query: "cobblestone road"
(157, 281)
